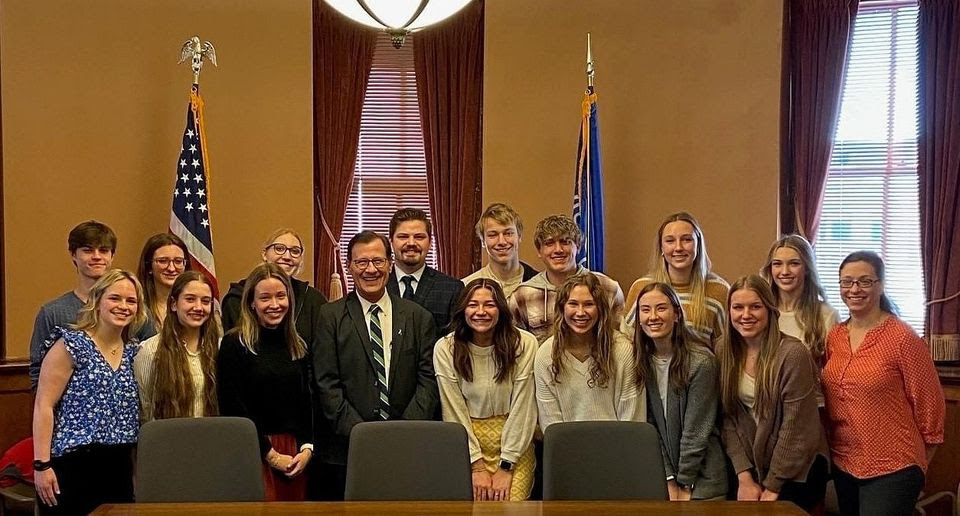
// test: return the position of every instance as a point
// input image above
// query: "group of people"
(756, 389)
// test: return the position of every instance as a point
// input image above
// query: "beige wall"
(689, 101)
(94, 106)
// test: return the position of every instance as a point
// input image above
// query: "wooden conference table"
(457, 508)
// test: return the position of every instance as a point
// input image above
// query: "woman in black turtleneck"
(262, 374)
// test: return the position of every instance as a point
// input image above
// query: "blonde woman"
(263, 375)
(681, 261)
(584, 371)
(284, 248)
(771, 428)
(176, 369)
(485, 375)
(85, 416)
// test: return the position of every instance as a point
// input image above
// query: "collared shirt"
(884, 400)
(386, 325)
(417, 274)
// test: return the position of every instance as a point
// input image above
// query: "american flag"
(190, 215)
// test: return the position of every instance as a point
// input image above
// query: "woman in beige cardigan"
(771, 427)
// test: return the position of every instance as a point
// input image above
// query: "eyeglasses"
(295, 251)
(862, 282)
(362, 263)
(178, 263)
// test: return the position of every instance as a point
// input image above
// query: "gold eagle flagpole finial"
(194, 50)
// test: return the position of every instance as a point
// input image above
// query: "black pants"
(810, 493)
(893, 494)
(90, 476)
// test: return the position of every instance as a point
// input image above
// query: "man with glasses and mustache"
(373, 357)
(411, 278)
(91, 245)
(557, 239)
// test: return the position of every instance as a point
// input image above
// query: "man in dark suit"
(373, 356)
(411, 277)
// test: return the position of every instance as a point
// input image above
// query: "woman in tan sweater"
(485, 376)
(771, 428)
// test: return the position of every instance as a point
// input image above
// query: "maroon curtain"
(816, 37)
(449, 65)
(939, 171)
(342, 56)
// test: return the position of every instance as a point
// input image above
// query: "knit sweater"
(483, 397)
(783, 443)
(709, 332)
(572, 398)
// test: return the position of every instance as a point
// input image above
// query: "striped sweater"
(707, 333)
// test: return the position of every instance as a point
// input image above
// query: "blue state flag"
(588, 190)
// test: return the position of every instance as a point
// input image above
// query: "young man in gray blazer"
(373, 357)
(411, 278)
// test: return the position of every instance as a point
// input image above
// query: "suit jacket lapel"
(355, 310)
(393, 284)
(398, 342)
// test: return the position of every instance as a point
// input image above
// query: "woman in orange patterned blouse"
(884, 401)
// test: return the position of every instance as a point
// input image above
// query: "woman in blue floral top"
(86, 414)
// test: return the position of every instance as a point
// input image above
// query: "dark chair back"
(603, 460)
(408, 460)
(207, 459)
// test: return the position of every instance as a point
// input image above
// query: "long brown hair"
(812, 297)
(145, 269)
(173, 391)
(601, 348)
(249, 326)
(644, 347)
(698, 314)
(732, 354)
(506, 338)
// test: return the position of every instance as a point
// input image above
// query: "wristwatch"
(506, 465)
(306, 446)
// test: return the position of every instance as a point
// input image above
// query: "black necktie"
(408, 286)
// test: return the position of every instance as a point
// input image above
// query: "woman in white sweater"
(485, 375)
(584, 372)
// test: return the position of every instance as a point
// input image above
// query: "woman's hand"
(769, 496)
(748, 489)
(47, 486)
(684, 494)
(482, 483)
(673, 490)
(278, 461)
(299, 463)
(501, 481)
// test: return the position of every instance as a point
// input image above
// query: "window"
(391, 169)
(871, 200)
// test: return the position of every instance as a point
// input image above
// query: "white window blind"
(391, 168)
(871, 200)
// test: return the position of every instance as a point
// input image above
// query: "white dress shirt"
(417, 274)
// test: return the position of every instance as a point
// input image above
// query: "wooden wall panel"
(16, 404)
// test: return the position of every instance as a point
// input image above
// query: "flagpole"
(590, 70)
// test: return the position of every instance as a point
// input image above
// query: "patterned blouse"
(99, 405)
(884, 401)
